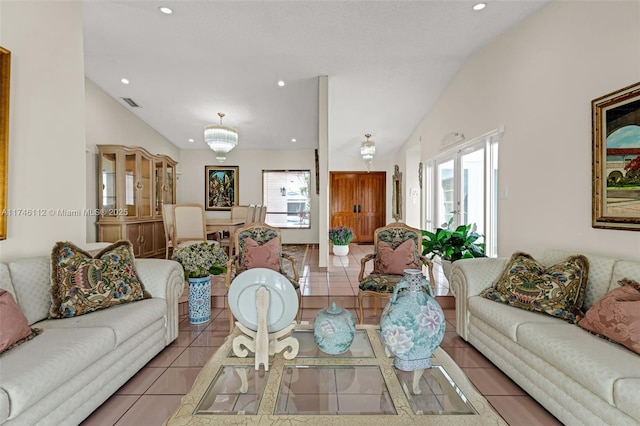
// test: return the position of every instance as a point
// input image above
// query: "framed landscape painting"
(616, 159)
(221, 187)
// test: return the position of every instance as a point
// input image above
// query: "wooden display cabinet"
(132, 187)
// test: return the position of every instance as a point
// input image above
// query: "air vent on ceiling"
(131, 102)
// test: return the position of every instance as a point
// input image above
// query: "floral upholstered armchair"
(396, 247)
(258, 245)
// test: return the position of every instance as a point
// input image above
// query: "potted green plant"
(200, 261)
(452, 244)
(341, 236)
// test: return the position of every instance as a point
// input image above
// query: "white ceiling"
(386, 61)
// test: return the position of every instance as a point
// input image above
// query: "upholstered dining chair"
(251, 214)
(396, 247)
(167, 220)
(261, 217)
(257, 245)
(189, 225)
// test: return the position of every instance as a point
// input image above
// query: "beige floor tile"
(492, 381)
(187, 326)
(142, 381)
(341, 291)
(340, 284)
(315, 291)
(522, 411)
(112, 410)
(206, 338)
(150, 410)
(468, 357)
(174, 381)
(452, 340)
(166, 357)
(185, 337)
(194, 356)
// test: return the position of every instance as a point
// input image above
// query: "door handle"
(355, 208)
(359, 209)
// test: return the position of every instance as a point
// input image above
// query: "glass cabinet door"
(130, 183)
(108, 183)
(160, 184)
(170, 190)
(145, 186)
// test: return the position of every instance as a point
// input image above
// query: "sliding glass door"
(463, 188)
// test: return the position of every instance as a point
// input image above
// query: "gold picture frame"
(396, 202)
(221, 187)
(5, 74)
(616, 159)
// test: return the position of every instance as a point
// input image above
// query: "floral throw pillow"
(81, 283)
(557, 290)
(616, 315)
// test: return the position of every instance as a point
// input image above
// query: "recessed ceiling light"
(124, 81)
(479, 6)
(190, 140)
(166, 10)
(281, 83)
(294, 140)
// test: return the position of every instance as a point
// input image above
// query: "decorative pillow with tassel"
(557, 290)
(82, 283)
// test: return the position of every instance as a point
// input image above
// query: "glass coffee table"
(360, 386)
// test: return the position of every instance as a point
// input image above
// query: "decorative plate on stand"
(283, 300)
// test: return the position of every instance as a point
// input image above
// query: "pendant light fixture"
(368, 150)
(220, 139)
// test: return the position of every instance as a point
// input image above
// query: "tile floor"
(155, 391)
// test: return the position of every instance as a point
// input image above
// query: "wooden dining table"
(225, 224)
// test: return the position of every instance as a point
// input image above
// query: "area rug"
(299, 252)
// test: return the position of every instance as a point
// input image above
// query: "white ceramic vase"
(446, 269)
(340, 250)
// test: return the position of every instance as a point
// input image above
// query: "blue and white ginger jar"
(334, 330)
(412, 324)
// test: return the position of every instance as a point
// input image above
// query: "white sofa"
(69, 370)
(578, 377)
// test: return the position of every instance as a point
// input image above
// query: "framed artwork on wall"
(5, 73)
(616, 159)
(397, 194)
(221, 187)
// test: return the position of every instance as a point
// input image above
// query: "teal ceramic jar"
(334, 330)
(412, 324)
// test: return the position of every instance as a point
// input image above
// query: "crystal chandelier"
(220, 139)
(367, 150)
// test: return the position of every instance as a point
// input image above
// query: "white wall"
(411, 213)
(46, 124)
(191, 186)
(111, 123)
(538, 80)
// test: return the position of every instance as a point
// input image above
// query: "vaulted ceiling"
(386, 61)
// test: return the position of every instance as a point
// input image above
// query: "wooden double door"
(358, 200)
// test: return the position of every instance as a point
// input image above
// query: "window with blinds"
(286, 195)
